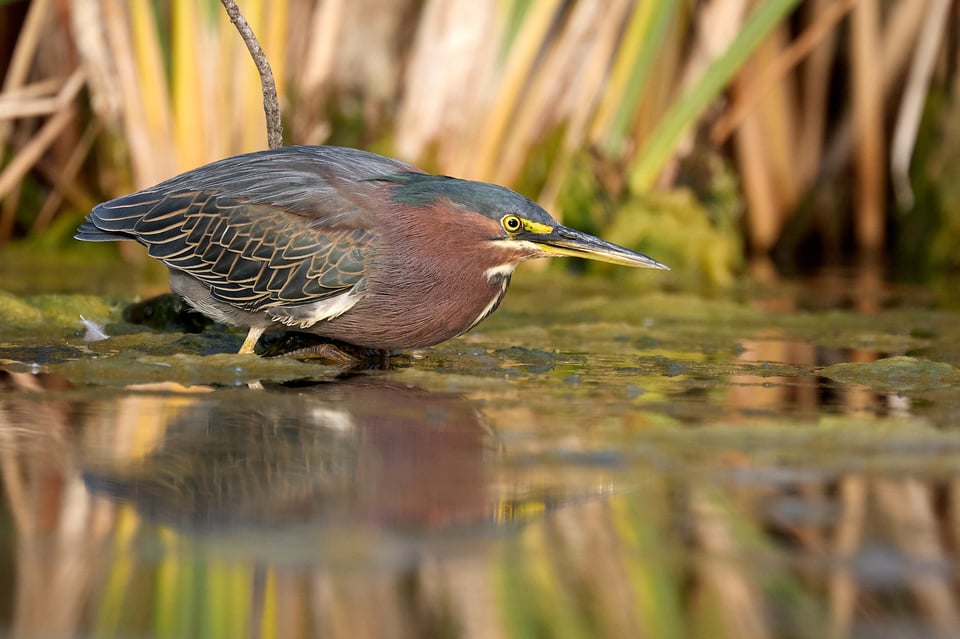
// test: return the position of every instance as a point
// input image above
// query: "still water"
(596, 460)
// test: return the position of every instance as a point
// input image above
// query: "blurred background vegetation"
(781, 134)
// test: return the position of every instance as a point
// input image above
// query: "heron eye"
(511, 223)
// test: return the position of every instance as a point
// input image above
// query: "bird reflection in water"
(362, 450)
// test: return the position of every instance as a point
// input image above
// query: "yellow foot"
(253, 335)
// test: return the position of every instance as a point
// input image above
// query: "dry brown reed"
(474, 89)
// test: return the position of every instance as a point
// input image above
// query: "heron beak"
(564, 241)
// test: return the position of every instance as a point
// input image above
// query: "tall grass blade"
(188, 105)
(152, 87)
(658, 148)
(519, 65)
(648, 27)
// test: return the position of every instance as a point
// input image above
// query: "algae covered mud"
(595, 461)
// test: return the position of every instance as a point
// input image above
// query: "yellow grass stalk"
(314, 56)
(316, 66)
(589, 89)
(86, 27)
(173, 585)
(620, 74)
(274, 40)
(144, 159)
(628, 80)
(548, 99)
(154, 97)
(187, 88)
(868, 120)
(517, 70)
(662, 85)
(221, 85)
(444, 112)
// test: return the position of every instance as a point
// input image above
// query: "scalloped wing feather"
(265, 230)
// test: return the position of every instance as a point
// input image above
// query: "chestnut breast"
(432, 273)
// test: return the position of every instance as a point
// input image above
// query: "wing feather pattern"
(265, 231)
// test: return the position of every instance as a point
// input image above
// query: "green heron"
(341, 243)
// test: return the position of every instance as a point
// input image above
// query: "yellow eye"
(511, 223)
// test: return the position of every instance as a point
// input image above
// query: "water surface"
(596, 460)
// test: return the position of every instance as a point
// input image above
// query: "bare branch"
(271, 105)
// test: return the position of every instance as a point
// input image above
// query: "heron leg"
(252, 336)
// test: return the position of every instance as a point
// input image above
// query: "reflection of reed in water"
(769, 544)
(363, 451)
(359, 450)
(798, 554)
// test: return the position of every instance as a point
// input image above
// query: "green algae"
(51, 314)
(586, 432)
(17, 314)
(895, 374)
(188, 369)
(590, 337)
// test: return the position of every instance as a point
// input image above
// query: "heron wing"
(269, 229)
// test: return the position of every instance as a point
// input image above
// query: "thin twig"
(271, 105)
